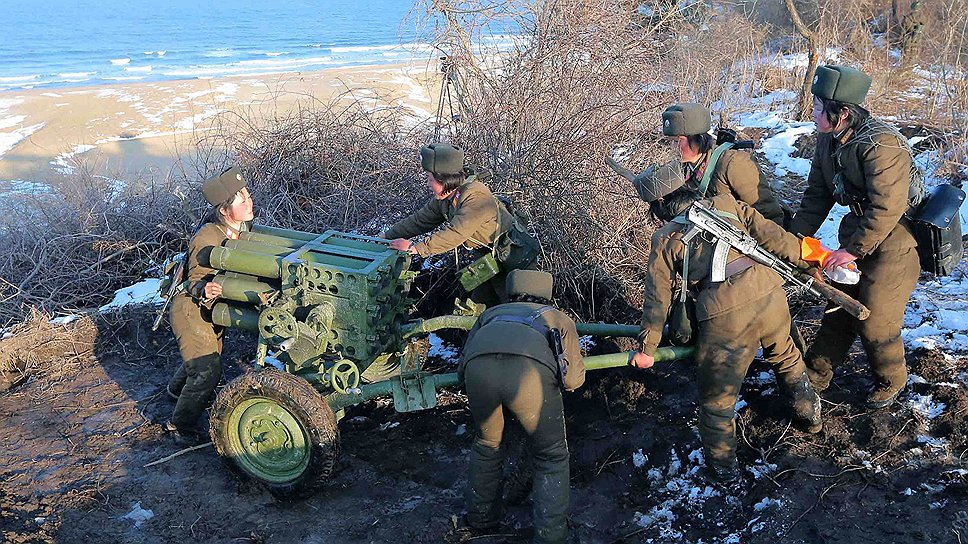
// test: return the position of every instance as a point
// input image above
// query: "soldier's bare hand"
(840, 257)
(402, 244)
(641, 360)
(212, 290)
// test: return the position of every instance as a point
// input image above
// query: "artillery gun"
(331, 312)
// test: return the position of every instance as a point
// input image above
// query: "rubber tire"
(307, 407)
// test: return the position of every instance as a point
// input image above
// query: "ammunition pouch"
(481, 270)
(683, 327)
(517, 249)
(937, 229)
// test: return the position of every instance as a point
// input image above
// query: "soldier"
(516, 360)
(469, 215)
(200, 341)
(746, 311)
(735, 172)
(865, 164)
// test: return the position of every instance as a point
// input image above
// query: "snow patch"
(138, 515)
(144, 292)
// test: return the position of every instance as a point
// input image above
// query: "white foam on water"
(120, 62)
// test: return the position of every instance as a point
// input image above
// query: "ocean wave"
(156, 53)
(138, 68)
(276, 53)
(120, 62)
(124, 78)
(75, 75)
(19, 79)
(250, 66)
(220, 53)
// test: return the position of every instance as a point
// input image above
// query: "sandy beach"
(140, 131)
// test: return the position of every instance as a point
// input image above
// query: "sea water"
(48, 43)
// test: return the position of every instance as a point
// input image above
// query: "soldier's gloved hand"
(641, 360)
(212, 290)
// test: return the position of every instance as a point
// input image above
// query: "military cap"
(443, 159)
(841, 83)
(222, 187)
(530, 282)
(658, 181)
(685, 119)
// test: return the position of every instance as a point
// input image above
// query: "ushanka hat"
(841, 83)
(686, 119)
(658, 181)
(530, 282)
(443, 159)
(222, 187)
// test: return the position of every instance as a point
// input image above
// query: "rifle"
(176, 275)
(705, 219)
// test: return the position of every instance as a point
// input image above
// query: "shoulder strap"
(711, 165)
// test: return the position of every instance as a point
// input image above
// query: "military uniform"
(199, 340)
(471, 216)
(736, 317)
(735, 173)
(508, 369)
(868, 168)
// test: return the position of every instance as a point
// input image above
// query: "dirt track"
(79, 431)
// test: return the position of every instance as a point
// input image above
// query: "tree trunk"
(806, 98)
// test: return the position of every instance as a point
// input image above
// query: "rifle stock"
(837, 297)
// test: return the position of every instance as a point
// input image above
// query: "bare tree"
(804, 111)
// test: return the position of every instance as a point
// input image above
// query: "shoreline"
(142, 130)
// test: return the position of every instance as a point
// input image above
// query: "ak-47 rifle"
(728, 236)
(175, 271)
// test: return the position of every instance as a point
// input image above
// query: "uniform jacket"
(471, 216)
(874, 166)
(510, 338)
(738, 292)
(199, 251)
(738, 175)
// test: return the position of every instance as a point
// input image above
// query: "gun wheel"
(275, 428)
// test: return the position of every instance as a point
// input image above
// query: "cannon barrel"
(271, 240)
(246, 262)
(238, 317)
(285, 233)
(244, 289)
(258, 247)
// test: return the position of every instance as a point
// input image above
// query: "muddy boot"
(725, 472)
(820, 372)
(804, 403)
(883, 395)
(185, 438)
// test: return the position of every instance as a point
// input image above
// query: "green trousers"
(200, 344)
(886, 282)
(501, 386)
(725, 348)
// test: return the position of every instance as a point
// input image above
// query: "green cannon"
(331, 313)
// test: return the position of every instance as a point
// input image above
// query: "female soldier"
(735, 172)
(745, 311)
(200, 341)
(471, 216)
(865, 164)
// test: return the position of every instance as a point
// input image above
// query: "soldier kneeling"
(516, 360)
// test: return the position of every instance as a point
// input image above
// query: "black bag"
(937, 229)
(682, 324)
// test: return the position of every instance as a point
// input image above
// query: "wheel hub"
(272, 443)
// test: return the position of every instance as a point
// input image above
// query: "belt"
(856, 209)
(738, 265)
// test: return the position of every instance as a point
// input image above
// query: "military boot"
(820, 372)
(804, 403)
(883, 395)
(723, 471)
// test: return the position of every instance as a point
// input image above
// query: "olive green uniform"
(199, 341)
(471, 216)
(737, 174)
(508, 369)
(868, 169)
(736, 317)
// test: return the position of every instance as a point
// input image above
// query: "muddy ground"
(81, 423)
